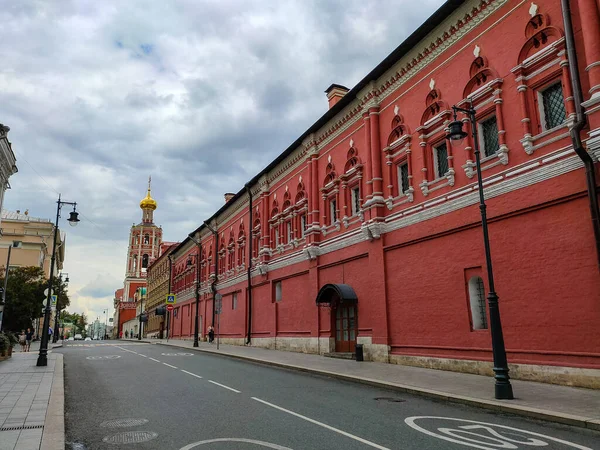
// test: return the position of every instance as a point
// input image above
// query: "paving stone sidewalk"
(563, 404)
(28, 397)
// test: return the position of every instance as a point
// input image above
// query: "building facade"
(144, 244)
(8, 162)
(158, 288)
(367, 230)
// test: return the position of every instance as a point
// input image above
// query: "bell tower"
(145, 239)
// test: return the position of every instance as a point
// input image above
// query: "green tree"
(59, 287)
(24, 297)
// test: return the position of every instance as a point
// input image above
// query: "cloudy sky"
(201, 94)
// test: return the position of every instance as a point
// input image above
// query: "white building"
(7, 162)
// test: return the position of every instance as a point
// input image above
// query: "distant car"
(78, 337)
(71, 338)
(88, 339)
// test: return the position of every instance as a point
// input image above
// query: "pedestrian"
(126, 334)
(23, 340)
(28, 338)
(211, 334)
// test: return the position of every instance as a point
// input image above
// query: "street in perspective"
(300, 225)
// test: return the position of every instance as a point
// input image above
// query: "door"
(345, 328)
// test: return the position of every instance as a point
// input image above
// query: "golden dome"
(148, 202)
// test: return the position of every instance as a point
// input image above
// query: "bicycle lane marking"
(324, 425)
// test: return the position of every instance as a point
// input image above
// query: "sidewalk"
(32, 402)
(562, 404)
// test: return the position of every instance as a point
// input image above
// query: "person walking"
(126, 334)
(23, 340)
(211, 334)
(28, 338)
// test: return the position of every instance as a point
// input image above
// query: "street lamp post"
(73, 220)
(141, 313)
(104, 335)
(503, 388)
(15, 244)
(197, 287)
(56, 329)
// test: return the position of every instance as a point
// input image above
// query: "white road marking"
(223, 386)
(190, 373)
(143, 356)
(170, 365)
(324, 425)
(465, 433)
(249, 441)
(154, 359)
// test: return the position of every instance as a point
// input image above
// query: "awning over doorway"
(336, 294)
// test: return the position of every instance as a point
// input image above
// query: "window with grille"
(477, 302)
(302, 224)
(333, 211)
(288, 230)
(355, 201)
(489, 136)
(276, 237)
(234, 301)
(403, 178)
(554, 106)
(441, 160)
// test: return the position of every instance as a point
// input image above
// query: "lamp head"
(456, 134)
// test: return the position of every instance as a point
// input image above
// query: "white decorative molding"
(533, 9)
(311, 252)
(528, 141)
(593, 144)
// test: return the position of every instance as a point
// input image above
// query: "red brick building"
(367, 228)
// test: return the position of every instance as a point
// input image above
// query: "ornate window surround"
(329, 192)
(535, 72)
(397, 151)
(350, 179)
(432, 131)
(241, 248)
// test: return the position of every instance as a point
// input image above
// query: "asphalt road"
(165, 398)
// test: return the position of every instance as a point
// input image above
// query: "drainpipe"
(590, 174)
(250, 239)
(213, 285)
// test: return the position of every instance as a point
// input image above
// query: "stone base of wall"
(296, 344)
(374, 352)
(566, 376)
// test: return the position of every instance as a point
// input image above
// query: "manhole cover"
(122, 423)
(130, 437)
(389, 399)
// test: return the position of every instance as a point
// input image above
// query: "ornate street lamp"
(503, 388)
(197, 287)
(73, 220)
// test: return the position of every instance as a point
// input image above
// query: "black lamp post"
(503, 388)
(56, 329)
(73, 220)
(197, 287)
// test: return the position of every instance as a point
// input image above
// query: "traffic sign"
(171, 299)
(218, 303)
(169, 307)
(54, 300)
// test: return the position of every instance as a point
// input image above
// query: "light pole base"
(42, 360)
(503, 391)
(196, 344)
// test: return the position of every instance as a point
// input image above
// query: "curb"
(53, 436)
(525, 411)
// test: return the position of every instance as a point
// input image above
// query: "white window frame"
(540, 103)
(278, 291)
(482, 141)
(399, 175)
(234, 299)
(332, 211)
(355, 199)
(288, 231)
(277, 236)
(435, 159)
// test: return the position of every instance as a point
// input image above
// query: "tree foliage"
(24, 297)
(79, 321)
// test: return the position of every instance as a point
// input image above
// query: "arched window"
(145, 261)
(134, 264)
(477, 303)
(146, 238)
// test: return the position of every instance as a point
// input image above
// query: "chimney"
(335, 92)
(228, 196)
